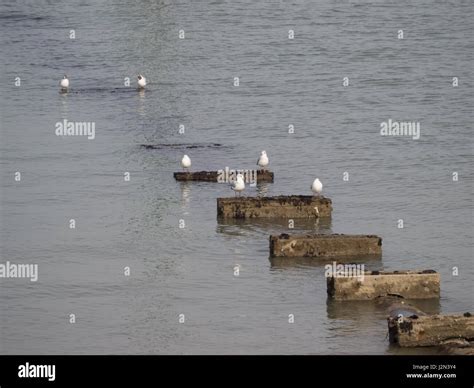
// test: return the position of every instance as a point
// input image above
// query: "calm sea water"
(136, 224)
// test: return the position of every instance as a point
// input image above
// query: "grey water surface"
(283, 82)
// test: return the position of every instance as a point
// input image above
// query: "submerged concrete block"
(217, 176)
(407, 284)
(430, 330)
(324, 245)
(283, 206)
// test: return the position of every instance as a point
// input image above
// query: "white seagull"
(238, 185)
(317, 186)
(263, 160)
(64, 83)
(186, 162)
(141, 81)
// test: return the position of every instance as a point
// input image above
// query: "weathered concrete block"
(430, 330)
(293, 206)
(324, 245)
(203, 176)
(215, 176)
(408, 284)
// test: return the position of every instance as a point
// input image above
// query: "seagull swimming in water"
(263, 160)
(238, 185)
(186, 162)
(64, 83)
(317, 186)
(141, 81)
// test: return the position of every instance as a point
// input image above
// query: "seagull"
(317, 186)
(64, 83)
(141, 81)
(186, 162)
(238, 185)
(263, 160)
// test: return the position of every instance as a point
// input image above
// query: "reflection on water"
(185, 188)
(141, 102)
(262, 189)
(377, 309)
(372, 262)
(276, 225)
(265, 226)
(64, 106)
(429, 306)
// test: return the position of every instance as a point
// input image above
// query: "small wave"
(187, 146)
(104, 90)
(19, 17)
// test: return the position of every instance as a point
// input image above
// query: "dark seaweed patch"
(187, 146)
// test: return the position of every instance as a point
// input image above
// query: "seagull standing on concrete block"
(263, 160)
(186, 162)
(238, 185)
(317, 187)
